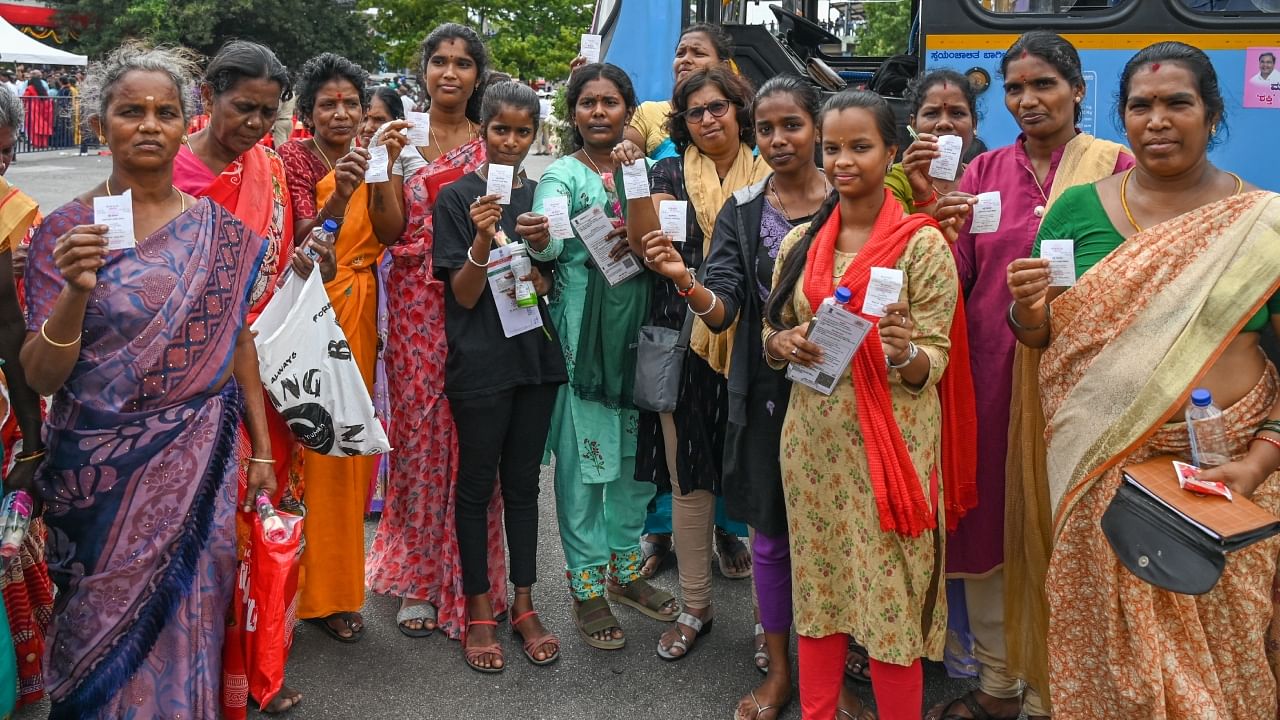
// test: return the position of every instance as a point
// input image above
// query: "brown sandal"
(532, 645)
(593, 616)
(473, 654)
(642, 596)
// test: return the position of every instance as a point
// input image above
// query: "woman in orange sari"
(243, 87)
(1178, 271)
(326, 182)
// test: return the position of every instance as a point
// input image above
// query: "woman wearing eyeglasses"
(711, 127)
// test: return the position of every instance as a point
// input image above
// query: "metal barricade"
(54, 123)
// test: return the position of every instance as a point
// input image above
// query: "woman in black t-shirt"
(501, 388)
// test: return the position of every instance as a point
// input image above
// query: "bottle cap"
(843, 295)
(330, 226)
(1201, 397)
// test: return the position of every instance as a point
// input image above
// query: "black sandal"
(323, 623)
(970, 702)
(857, 663)
(657, 550)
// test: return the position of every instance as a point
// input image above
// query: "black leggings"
(500, 437)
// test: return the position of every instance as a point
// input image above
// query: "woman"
(748, 234)
(701, 47)
(28, 593)
(39, 106)
(711, 126)
(326, 182)
(1044, 88)
(414, 555)
(942, 102)
(599, 505)
(145, 563)
(880, 446)
(243, 87)
(1182, 240)
(503, 411)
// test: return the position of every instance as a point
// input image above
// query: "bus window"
(1208, 7)
(1047, 7)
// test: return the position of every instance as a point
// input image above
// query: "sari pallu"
(139, 480)
(1130, 341)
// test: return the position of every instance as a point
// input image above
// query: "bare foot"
(285, 700)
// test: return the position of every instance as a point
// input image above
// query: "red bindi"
(339, 97)
(1155, 67)
(1026, 54)
(944, 85)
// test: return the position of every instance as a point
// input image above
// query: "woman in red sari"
(243, 88)
(39, 111)
(415, 550)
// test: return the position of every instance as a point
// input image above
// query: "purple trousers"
(771, 568)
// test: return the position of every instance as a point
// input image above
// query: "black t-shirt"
(482, 360)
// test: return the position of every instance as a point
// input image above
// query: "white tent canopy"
(15, 46)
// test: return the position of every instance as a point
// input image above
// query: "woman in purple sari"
(138, 346)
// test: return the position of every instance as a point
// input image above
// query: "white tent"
(15, 46)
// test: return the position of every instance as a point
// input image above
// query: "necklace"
(471, 132)
(323, 157)
(594, 166)
(181, 197)
(773, 190)
(1124, 196)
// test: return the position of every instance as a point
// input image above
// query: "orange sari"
(332, 578)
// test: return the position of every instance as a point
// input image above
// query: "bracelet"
(55, 343)
(693, 282)
(768, 355)
(473, 261)
(262, 461)
(1271, 441)
(933, 198)
(1048, 313)
(31, 456)
(912, 351)
(1269, 426)
(714, 300)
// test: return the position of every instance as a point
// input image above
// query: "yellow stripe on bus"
(1108, 41)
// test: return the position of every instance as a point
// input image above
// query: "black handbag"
(660, 355)
(1166, 536)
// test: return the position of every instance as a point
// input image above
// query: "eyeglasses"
(717, 108)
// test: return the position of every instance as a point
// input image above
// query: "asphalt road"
(388, 675)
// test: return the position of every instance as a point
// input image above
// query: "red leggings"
(899, 689)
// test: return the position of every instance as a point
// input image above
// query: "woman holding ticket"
(890, 447)
(943, 111)
(405, 558)
(1177, 276)
(326, 181)
(502, 375)
(1003, 196)
(598, 307)
(137, 299)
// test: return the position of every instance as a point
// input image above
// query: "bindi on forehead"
(1155, 67)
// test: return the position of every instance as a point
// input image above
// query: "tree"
(887, 28)
(525, 39)
(294, 29)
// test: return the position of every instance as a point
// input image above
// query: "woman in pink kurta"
(1044, 87)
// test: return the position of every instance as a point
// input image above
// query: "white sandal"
(685, 643)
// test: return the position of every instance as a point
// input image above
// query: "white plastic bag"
(310, 375)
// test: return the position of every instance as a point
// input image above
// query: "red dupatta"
(901, 502)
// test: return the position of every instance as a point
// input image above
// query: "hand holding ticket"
(499, 182)
(673, 218)
(116, 212)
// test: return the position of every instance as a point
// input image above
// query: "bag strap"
(686, 331)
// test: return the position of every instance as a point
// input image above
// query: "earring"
(1213, 131)
(185, 138)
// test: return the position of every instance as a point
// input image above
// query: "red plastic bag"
(264, 611)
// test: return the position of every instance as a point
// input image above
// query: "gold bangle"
(31, 456)
(55, 343)
(263, 461)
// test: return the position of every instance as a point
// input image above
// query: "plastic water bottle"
(1208, 432)
(272, 526)
(841, 297)
(15, 517)
(323, 233)
(526, 294)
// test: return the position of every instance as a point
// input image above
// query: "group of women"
(861, 503)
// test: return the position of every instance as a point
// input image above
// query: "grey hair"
(181, 64)
(10, 110)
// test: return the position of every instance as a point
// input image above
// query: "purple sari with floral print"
(139, 483)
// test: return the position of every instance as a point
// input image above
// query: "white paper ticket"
(116, 212)
(986, 214)
(884, 289)
(673, 218)
(556, 210)
(1061, 255)
(945, 166)
(590, 48)
(635, 179)
(419, 128)
(377, 172)
(500, 178)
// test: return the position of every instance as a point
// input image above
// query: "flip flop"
(323, 624)
(727, 545)
(761, 709)
(660, 550)
(761, 657)
(422, 612)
